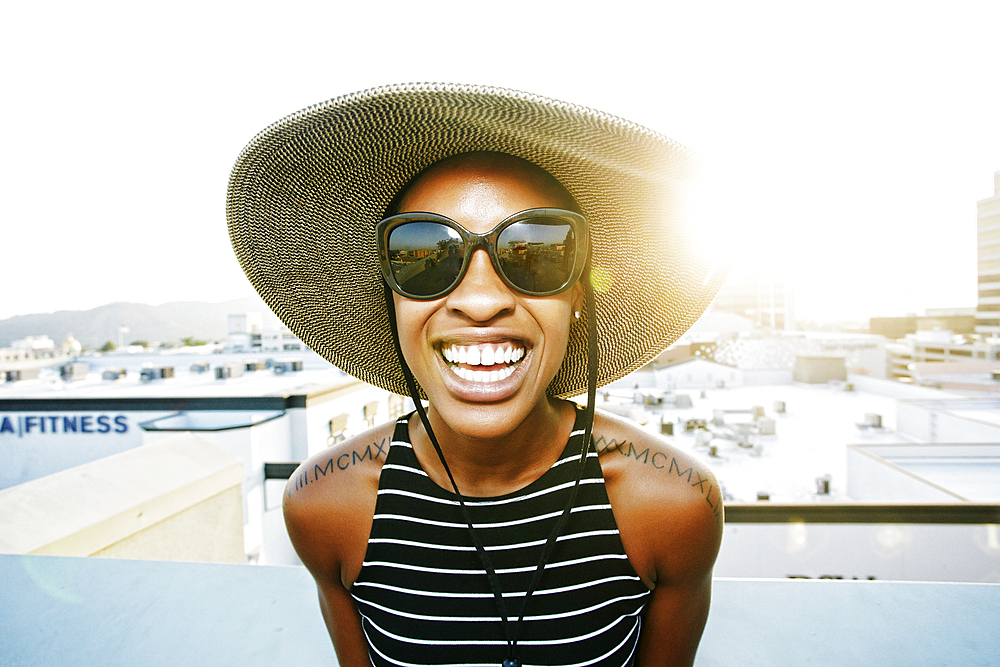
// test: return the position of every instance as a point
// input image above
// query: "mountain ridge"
(167, 322)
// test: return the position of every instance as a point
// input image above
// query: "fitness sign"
(20, 425)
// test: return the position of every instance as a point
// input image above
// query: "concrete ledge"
(119, 612)
(179, 492)
(776, 623)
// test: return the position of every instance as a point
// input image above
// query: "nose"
(482, 295)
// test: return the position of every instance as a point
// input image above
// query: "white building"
(937, 347)
(988, 226)
(280, 341)
(245, 331)
(247, 334)
(264, 417)
(770, 447)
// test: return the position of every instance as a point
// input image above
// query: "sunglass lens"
(426, 257)
(538, 255)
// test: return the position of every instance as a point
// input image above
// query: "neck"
(494, 461)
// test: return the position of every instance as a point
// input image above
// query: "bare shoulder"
(668, 505)
(341, 465)
(329, 502)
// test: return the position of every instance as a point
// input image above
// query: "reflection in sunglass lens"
(426, 257)
(538, 255)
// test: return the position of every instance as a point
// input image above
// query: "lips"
(483, 363)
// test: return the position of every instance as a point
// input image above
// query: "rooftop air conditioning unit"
(230, 370)
(823, 485)
(22, 374)
(160, 373)
(74, 371)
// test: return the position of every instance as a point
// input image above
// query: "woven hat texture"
(305, 194)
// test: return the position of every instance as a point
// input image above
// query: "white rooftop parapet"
(179, 498)
(87, 611)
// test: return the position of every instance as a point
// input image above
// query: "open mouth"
(483, 363)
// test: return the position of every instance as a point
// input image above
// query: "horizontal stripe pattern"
(424, 596)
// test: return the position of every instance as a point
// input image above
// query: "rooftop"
(810, 439)
(316, 372)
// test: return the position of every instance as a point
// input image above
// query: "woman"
(491, 252)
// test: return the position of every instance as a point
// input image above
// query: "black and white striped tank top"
(424, 596)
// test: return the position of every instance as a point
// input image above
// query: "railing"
(862, 513)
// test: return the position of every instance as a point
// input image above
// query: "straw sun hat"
(306, 193)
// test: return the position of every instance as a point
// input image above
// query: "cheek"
(558, 321)
(410, 319)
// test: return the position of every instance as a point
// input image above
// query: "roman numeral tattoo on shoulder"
(306, 476)
(659, 461)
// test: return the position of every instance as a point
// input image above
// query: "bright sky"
(849, 141)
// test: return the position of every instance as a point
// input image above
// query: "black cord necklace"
(511, 634)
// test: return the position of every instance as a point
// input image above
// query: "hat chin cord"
(511, 634)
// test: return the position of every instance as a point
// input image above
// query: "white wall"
(933, 422)
(36, 444)
(871, 478)
(352, 403)
(698, 374)
(902, 552)
(255, 445)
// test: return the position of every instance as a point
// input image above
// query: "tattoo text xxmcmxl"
(659, 460)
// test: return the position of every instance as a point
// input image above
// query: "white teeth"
(486, 355)
(482, 376)
(460, 356)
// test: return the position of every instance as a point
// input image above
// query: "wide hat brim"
(305, 194)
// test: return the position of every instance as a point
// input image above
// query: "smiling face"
(483, 353)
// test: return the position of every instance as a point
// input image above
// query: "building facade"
(988, 254)
(935, 346)
(764, 297)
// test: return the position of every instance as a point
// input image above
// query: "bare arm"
(328, 506)
(676, 615)
(669, 512)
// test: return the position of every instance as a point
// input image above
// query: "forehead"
(483, 185)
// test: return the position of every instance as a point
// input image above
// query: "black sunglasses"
(538, 252)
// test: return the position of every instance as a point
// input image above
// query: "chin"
(483, 420)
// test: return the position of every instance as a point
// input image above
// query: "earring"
(576, 314)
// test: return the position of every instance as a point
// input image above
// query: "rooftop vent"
(287, 366)
(158, 373)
